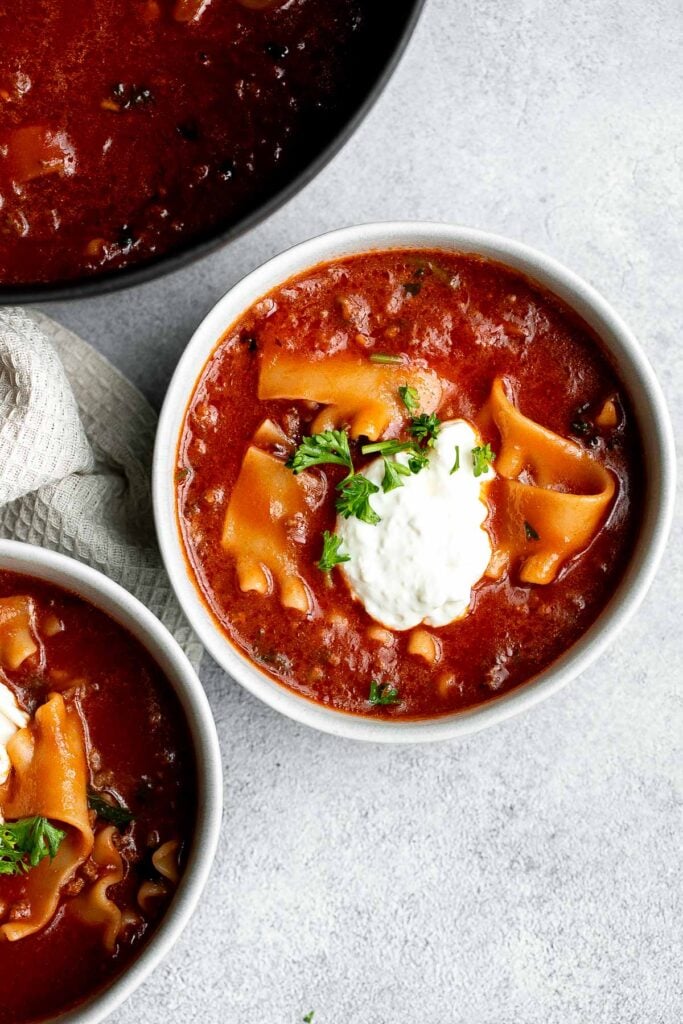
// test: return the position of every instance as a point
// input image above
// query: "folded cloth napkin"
(76, 442)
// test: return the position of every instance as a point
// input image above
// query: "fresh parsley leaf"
(308, 1019)
(409, 397)
(482, 457)
(426, 428)
(354, 499)
(11, 859)
(388, 447)
(331, 555)
(382, 693)
(331, 446)
(418, 458)
(530, 532)
(393, 471)
(116, 814)
(456, 464)
(412, 288)
(24, 843)
(383, 359)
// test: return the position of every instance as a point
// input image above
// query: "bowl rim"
(634, 370)
(96, 588)
(129, 277)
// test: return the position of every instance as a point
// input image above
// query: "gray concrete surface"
(531, 874)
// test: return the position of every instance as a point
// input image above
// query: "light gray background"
(530, 874)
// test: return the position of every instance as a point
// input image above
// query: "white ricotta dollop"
(419, 564)
(12, 718)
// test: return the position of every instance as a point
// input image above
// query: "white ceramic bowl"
(109, 597)
(635, 372)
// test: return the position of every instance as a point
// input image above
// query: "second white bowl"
(126, 610)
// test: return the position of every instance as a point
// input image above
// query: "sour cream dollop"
(419, 564)
(12, 718)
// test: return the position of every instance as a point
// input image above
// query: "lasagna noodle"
(354, 391)
(266, 503)
(546, 522)
(17, 633)
(165, 860)
(94, 906)
(49, 778)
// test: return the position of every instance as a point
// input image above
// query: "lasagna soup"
(407, 481)
(97, 797)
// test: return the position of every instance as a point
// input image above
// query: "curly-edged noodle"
(554, 518)
(17, 632)
(355, 392)
(165, 860)
(149, 895)
(423, 644)
(266, 500)
(49, 778)
(93, 905)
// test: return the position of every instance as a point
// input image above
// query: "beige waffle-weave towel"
(76, 442)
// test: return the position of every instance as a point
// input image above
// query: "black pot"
(396, 32)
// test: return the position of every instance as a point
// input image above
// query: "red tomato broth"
(470, 320)
(125, 132)
(139, 749)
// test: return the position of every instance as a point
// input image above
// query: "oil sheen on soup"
(97, 799)
(129, 128)
(407, 482)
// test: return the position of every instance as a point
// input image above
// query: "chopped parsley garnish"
(412, 288)
(393, 471)
(331, 555)
(409, 397)
(456, 464)
(385, 360)
(418, 457)
(116, 814)
(308, 1019)
(24, 843)
(354, 499)
(426, 428)
(382, 693)
(482, 457)
(332, 446)
(388, 447)
(530, 532)
(580, 427)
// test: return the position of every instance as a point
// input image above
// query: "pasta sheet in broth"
(49, 778)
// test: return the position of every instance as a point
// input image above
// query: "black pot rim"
(116, 280)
